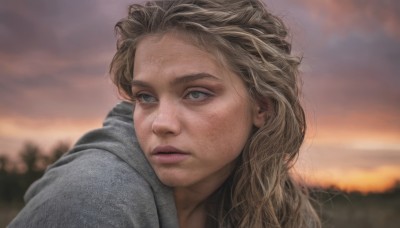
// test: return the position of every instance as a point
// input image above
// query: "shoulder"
(89, 188)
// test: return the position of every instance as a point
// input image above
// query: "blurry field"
(338, 210)
(8, 212)
(359, 211)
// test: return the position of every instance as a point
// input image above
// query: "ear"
(259, 114)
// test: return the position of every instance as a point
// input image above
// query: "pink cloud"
(358, 14)
(15, 130)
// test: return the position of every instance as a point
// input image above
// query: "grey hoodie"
(104, 181)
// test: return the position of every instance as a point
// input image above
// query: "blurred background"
(54, 87)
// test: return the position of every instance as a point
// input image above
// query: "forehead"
(173, 55)
(170, 50)
(183, 39)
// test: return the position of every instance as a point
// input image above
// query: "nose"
(166, 121)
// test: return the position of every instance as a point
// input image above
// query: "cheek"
(141, 128)
(136, 122)
(227, 131)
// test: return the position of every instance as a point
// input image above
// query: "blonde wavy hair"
(252, 43)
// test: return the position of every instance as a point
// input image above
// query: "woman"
(218, 122)
(217, 109)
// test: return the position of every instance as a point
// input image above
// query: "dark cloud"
(62, 27)
(350, 65)
(54, 57)
(350, 59)
(351, 15)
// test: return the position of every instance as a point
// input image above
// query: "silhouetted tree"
(57, 151)
(32, 163)
(4, 161)
(9, 180)
(31, 156)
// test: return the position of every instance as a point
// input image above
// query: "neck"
(191, 201)
(190, 205)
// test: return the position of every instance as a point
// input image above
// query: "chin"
(172, 180)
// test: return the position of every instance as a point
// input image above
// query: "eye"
(145, 98)
(197, 95)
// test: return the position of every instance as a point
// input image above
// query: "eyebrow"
(180, 80)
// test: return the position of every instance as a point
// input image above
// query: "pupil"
(195, 94)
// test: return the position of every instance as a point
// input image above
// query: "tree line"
(17, 175)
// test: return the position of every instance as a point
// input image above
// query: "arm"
(92, 188)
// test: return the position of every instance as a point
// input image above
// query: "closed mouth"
(166, 149)
(168, 155)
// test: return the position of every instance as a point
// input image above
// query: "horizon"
(16, 165)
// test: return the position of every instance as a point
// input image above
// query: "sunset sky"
(54, 85)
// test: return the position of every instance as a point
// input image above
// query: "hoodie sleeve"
(92, 188)
(103, 181)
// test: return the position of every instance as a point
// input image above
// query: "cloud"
(350, 66)
(352, 155)
(58, 97)
(370, 15)
(63, 27)
(16, 130)
(54, 57)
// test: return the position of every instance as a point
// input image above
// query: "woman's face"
(192, 116)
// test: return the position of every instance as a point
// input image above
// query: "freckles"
(215, 123)
(219, 129)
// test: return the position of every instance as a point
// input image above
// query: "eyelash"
(140, 97)
(205, 95)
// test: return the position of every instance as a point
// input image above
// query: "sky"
(54, 82)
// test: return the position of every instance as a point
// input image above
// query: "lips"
(166, 150)
(168, 155)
